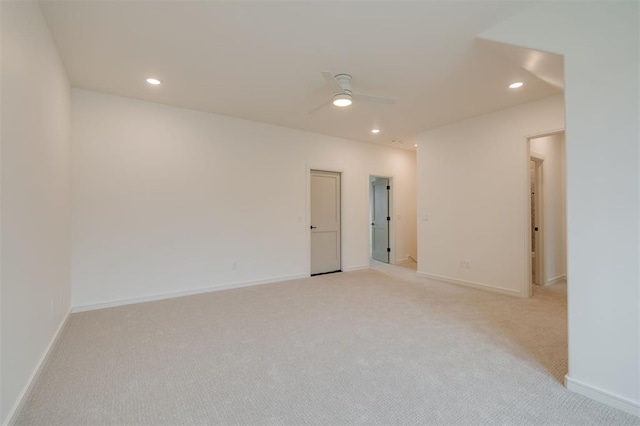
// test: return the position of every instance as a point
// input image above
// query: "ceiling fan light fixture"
(516, 85)
(342, 100)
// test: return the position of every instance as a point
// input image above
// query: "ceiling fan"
(343, 96)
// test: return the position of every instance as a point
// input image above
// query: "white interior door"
(325, 222)
(380, 220)
(537, 269)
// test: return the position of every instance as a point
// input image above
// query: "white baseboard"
(403, 260)
(471, 284)
(162, 296)
(355, 268)
(556, 280)
(602, 396)
(26, 390)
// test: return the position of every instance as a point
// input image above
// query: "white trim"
(398, 261)
(171, 295)
(471, 284)
(22, 397)
(355, 268)
(536, 155)
(602, 396)
(527, 289)
(544, 134)
(557, 279)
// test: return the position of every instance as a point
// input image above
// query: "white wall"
(551, 148)
(472, 196)
(167, 199)
(35, 190)
(600, 44)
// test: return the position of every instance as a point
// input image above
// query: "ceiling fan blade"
(330, 79)
(373, 99)
(322, 105)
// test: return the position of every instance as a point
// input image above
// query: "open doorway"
(547, 209)
(380, 218)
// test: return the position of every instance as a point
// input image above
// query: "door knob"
(372, 223)
(313, 227)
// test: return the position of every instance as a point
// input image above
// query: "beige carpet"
(369, 347)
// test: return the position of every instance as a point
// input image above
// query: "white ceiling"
(262, 60)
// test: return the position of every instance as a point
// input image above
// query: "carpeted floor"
(379, 346)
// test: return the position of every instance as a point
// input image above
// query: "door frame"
(527, 290)
(392, 260)
(320, 168)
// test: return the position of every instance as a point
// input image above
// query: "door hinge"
(388, 250)
(388, 217)
(388, 187)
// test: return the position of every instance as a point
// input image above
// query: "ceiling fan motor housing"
(344, 80)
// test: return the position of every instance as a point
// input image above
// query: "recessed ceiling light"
(416, 145)
(153, 81)
(516, 85)
(342, 100)
(375, 130)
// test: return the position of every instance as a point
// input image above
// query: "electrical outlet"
(465, 263)
(468, 264)
(234, 266)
